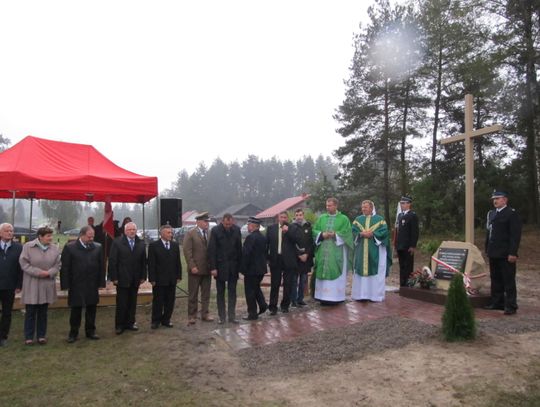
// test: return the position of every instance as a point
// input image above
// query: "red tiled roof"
(187, 214)
(285, 205)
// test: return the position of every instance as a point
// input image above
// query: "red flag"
(108, 225)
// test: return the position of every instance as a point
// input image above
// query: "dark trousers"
(503, 283)
(163, 298)
(277, 274)
(230, 285)
(406, 266)
(298, 286)
(35, 317)
(254, 295)
(204, 282)
(6, 299)
(126, 305)
(89, 320)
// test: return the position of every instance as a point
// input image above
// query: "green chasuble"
(366, 252)
(329, 256)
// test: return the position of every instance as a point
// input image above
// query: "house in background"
(268, 216)
(188, 218)
(240, 212)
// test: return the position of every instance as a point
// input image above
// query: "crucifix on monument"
(468, 137)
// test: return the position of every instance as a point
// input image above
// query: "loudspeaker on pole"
(170, 210)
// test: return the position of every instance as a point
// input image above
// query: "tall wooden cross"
(468, 137)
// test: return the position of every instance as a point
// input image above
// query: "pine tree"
(458, 322)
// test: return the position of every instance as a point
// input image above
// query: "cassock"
(332, 256)
(372, 258)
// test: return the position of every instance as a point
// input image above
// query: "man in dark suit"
(254, 267)
(10, 277)
(283, 250)
(224, 256)
(502, 244)
(127, 270)
(164, 271)
(305, 260)
(406, 239)
(82, 274)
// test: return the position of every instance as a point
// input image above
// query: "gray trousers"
(230, 285)
(194, 283)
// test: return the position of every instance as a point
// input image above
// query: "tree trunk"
(386, 142)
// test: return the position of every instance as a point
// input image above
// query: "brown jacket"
(195, 250)
(39, 290)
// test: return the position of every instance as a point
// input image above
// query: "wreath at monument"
(423, 277)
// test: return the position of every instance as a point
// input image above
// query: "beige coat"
(195, 252)
(39, 290)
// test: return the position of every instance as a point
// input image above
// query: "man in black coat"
(82, 274)
(10, 277)
(127, 270)
(164, 271)
(406, 239)
(224, 257)
(305, 260)
(284, 246)
(254, 267)
(502, 244)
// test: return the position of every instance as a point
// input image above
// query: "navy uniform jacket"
(164, 266)
(254, 255)
(407, 232)
(225, 251)
(10, 269)
(126, 266)
(503, 234)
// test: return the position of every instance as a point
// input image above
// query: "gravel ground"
(356, 341)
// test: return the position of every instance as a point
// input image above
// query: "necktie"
(131, 243)
(204, 235)
(280, 237)
(167, 245)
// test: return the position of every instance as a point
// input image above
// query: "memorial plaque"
(454, 257)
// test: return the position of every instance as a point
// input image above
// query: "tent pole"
(143, 223)
(13, 210)
(31, 207)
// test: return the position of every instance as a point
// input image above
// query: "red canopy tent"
(45, 169)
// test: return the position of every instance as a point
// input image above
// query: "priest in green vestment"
(372, 255)
(334, 242)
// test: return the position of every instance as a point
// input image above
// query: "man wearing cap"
(332, 234)
(502, 244)
(254, 268)
(406, 239)
(199, 278)
(224, 256)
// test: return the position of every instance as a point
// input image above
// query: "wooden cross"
(469, 162)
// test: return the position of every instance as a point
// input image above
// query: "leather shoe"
(294, 304)
(234, 321)
(167, 324)
(248, 318)
(191, 321)
(119, 331)
(273, 312)
(509, 311)
(221, 321)
(71, 339)
(154, 325)
(284, 310)
(263, 309)
(301, 303)
(207, 319)
(133, 327)
(493, 307)
(93, 337)
(3, 342)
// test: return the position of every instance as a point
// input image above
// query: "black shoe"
(3, 342)
(509, 311)
(167, 324)
(273, 312)
(133, 327)
(119, 331)
(263, 309)
(234, 321)
(494, 307)
(294, 304)
(301, 303)
(248, 318)
(93, 337)
(221, 321)
(71, 339)
(154, 325)
(285, 310)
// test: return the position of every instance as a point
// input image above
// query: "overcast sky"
(158, 86)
